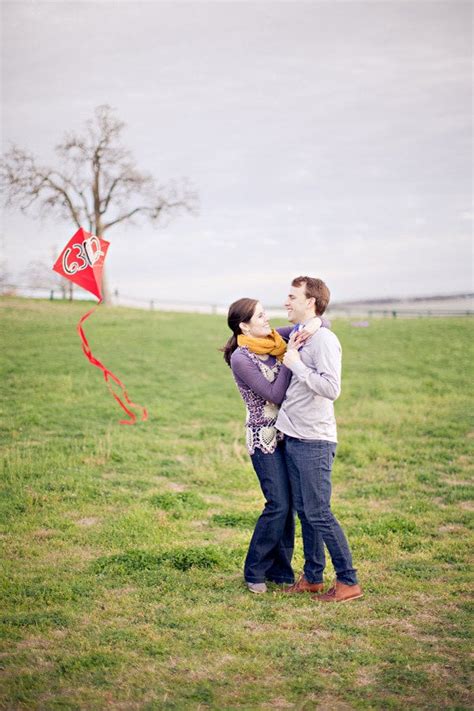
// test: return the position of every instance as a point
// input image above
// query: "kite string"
(108, 375)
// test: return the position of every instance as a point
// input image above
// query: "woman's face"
(258, 326)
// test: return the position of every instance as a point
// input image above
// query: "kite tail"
(108, 376)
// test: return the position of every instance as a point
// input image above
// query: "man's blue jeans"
(309, 464)
(271, 548)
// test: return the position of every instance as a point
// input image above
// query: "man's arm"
(323, 376)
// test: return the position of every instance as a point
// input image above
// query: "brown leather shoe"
(340, 592)
(302, 585)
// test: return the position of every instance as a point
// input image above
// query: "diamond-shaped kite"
(82, 261)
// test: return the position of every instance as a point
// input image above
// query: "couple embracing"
(289, 379)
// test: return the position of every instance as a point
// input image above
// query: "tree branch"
(63, 192)
(129, 215)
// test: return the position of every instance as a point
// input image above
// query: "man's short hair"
(316, 289)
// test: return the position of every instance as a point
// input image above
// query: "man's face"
(298, 306)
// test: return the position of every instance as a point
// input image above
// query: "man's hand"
(292, 356)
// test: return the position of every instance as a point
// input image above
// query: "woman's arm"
(285, 331)
(249, 374)
(322, 322)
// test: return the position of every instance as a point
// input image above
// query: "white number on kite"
(88, 252)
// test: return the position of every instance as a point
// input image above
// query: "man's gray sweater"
(307, 411)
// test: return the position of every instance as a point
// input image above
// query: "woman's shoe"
(257, 588)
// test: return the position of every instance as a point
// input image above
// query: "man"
(307, 419)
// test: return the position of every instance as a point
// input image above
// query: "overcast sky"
(325, 138)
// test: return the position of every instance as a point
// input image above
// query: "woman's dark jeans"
(271, 548)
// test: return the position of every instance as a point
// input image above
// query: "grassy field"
(123, 546)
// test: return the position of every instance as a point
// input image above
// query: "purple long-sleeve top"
(248, 374)
(262, 384)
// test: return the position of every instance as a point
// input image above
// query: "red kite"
(82, 262)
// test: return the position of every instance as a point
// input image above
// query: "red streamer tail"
(109, 376)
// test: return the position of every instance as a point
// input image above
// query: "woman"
(254, 353)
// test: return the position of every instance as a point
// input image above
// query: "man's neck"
(308, 317)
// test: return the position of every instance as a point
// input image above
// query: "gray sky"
(326, 138)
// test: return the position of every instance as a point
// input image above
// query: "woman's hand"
(293, 342)
(290, 358)
(312, 326)
(308, 331)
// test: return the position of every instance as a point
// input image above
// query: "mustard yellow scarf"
(271, 345)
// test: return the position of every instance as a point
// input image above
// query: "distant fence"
(406, 309)
(396, 313)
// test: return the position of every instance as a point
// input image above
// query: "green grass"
(123, 546)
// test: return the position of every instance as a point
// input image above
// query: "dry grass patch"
(88, 521)
(42, 533)
(278, 703)
(326, 702)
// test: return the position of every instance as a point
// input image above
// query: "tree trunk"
(106, 297)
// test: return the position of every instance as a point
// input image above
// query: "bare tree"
(97, 184)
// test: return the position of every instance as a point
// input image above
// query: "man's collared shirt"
(307, 411)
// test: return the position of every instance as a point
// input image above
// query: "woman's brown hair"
(241, 311)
